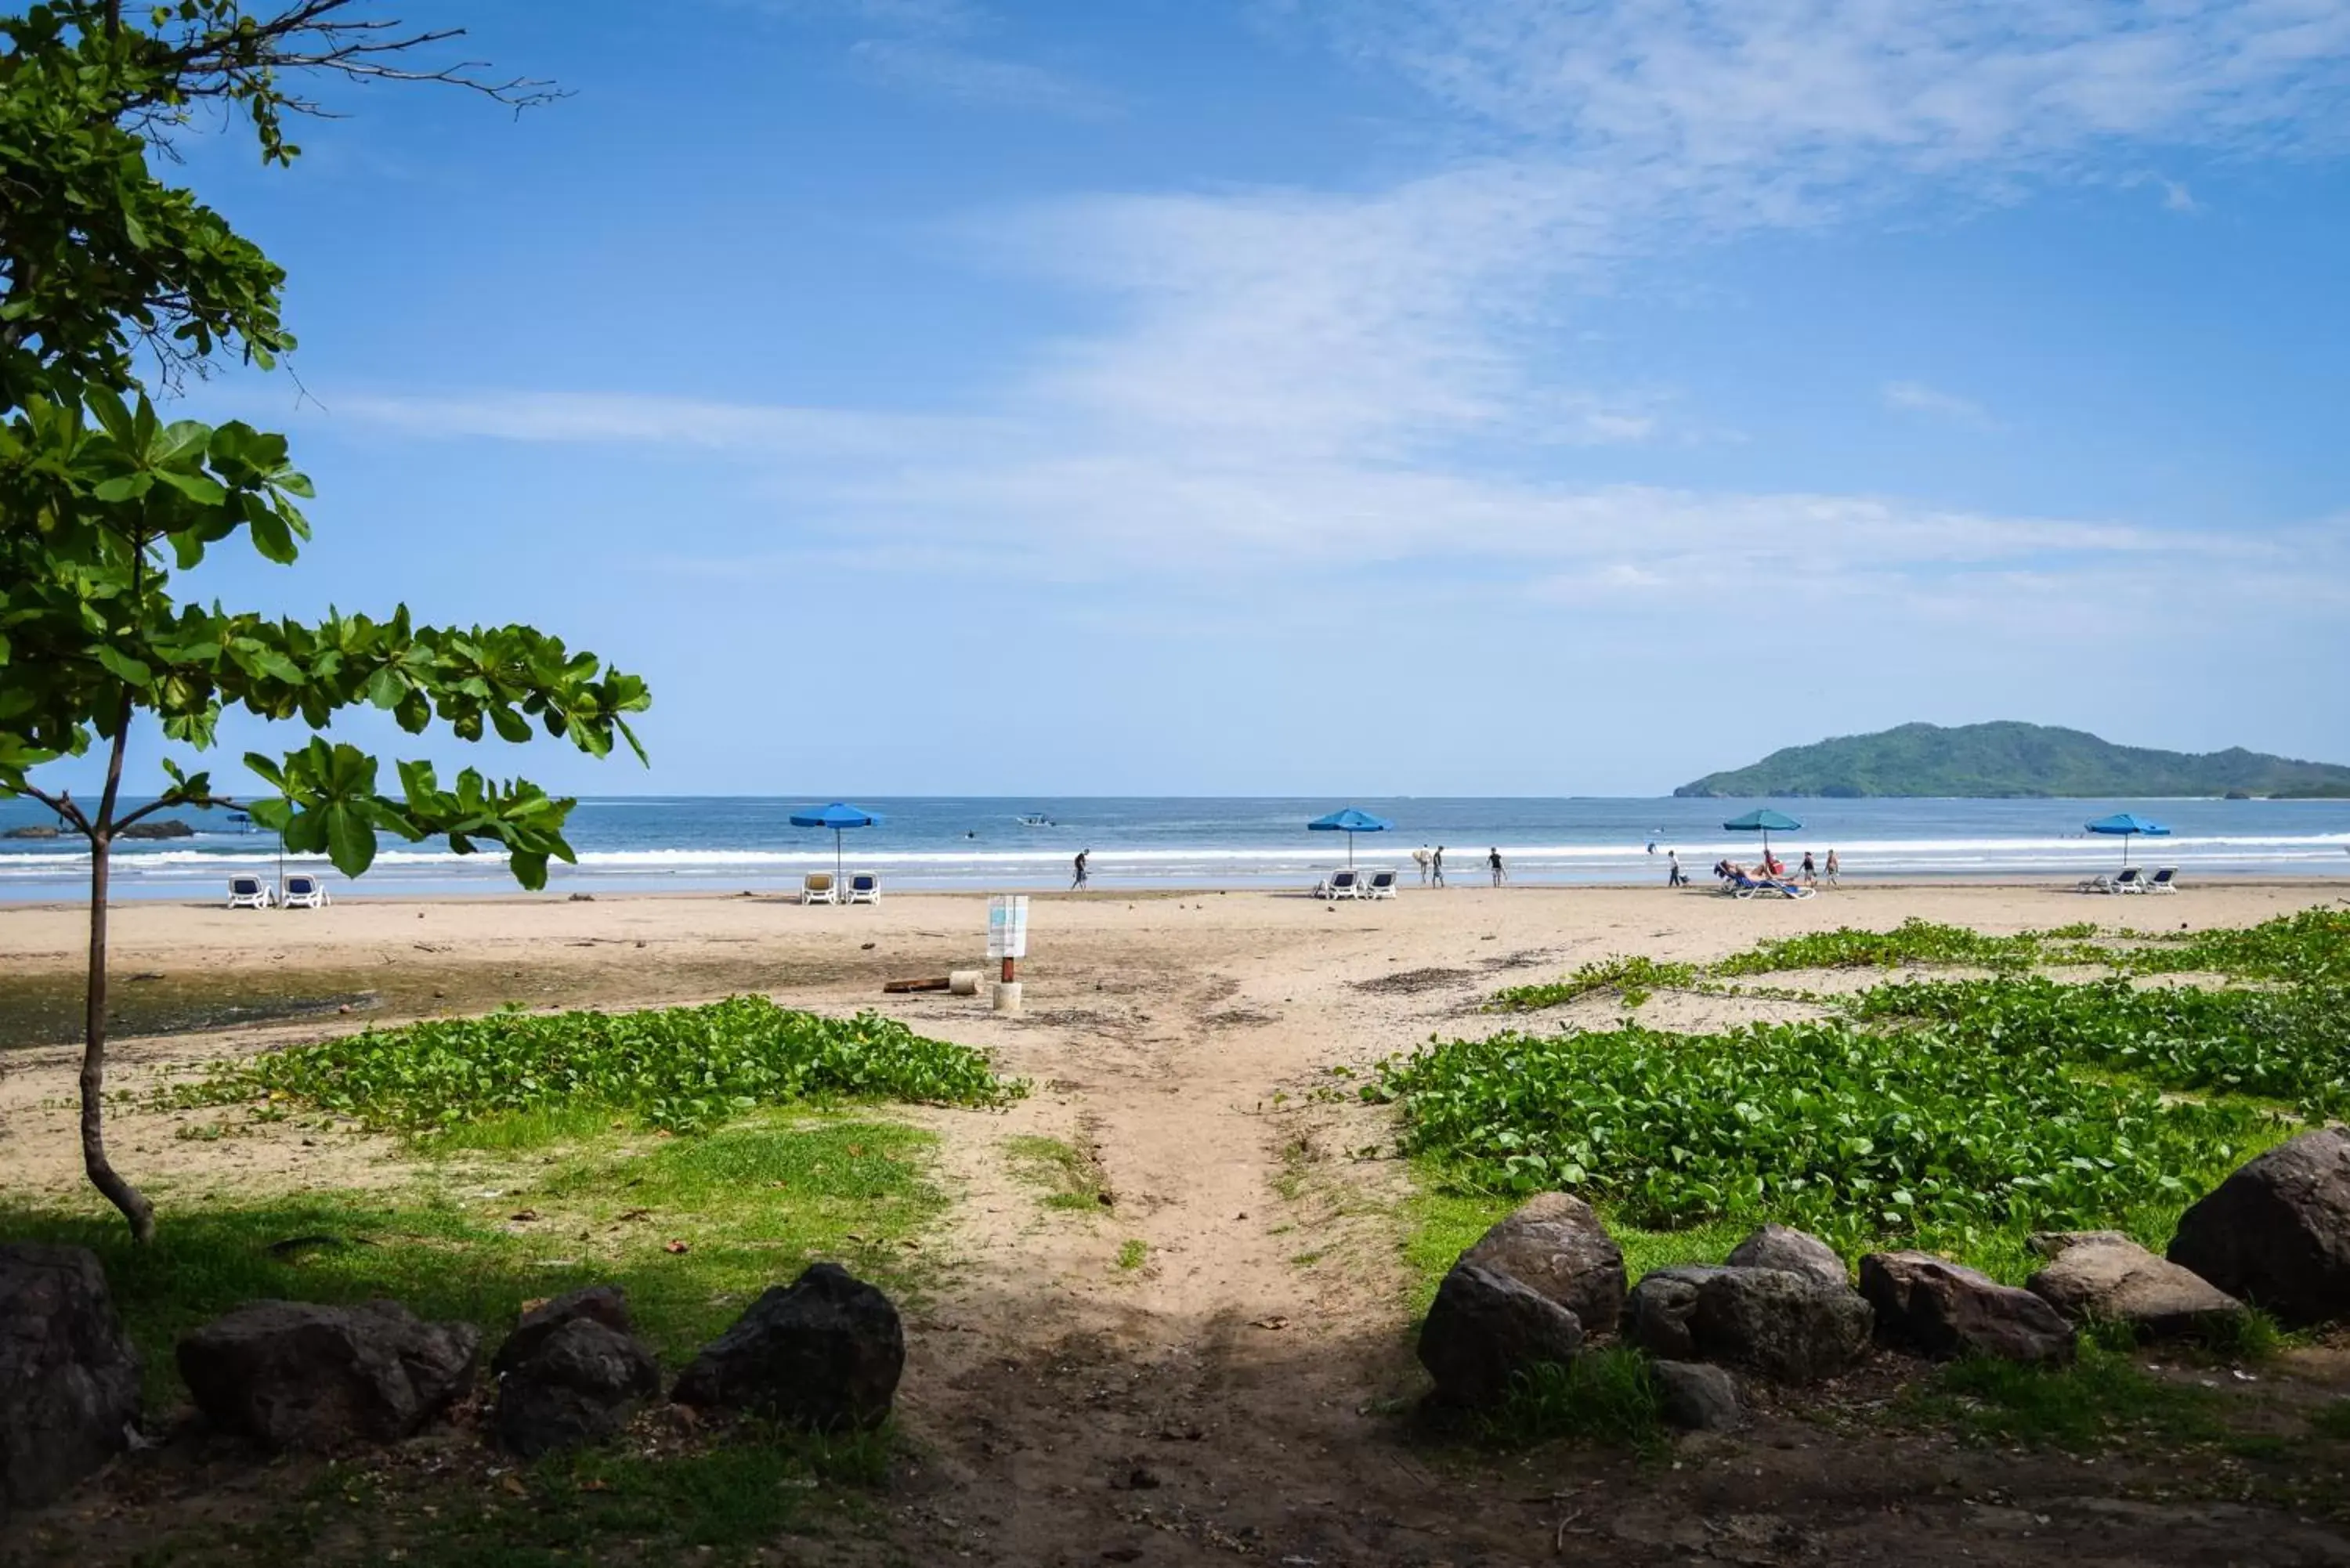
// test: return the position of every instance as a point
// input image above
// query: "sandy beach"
(1178, 1039)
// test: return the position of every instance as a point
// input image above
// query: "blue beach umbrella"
(835, 817)
(1766, 822)
(2127, 827)
(1350, 822)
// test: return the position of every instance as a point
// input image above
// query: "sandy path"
(1226, 1397)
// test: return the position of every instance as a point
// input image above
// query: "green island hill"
(2009, 760)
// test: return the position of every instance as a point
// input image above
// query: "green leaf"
(122, 667)
(350, 838)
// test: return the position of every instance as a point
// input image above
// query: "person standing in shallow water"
(1493, 863)
(1436, 866)
(1079, 883)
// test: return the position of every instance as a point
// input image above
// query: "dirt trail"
(1245, 1389)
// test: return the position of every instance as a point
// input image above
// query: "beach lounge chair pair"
(1351, 884)
(2133, 880)
(302, 892)
(821, 888)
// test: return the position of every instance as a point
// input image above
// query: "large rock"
(1789, 1328)
(1656, 1313)
(2103, 1276)
(2277, 1232)
(1945, 1310)
(68, 1377)
(825, 1352)
(1554, 1243)
(295, 1375)
(1794, 1251)
(1696, 1398)
(570, 1372)
(1486, 1327)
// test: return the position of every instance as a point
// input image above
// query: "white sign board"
(1007, 926)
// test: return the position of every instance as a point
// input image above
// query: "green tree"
(111, 279)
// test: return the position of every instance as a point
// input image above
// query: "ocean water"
(716, 843)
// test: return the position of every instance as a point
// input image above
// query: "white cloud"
(1917, 397)
(981, 80)
(1384, 375)
(932, 48)
(2178, 198)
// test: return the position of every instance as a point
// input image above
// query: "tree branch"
(63, 805)
(168, 800)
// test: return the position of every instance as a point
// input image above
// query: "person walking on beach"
(1811, 873)
(1674, 875)
(1420, 859)
(1832, 868)
(1436, 866)
(1493, 862)
(1079, 886)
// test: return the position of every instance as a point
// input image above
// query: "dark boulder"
(2276, 1233)
(68, 1377)
(1791, 1251)
(2103, 1276)
(1486, 1327)
(36, 830)
(162, 827)
(1942, 1309)
(1554, 1243)
(1696, 1398)
(1656, 1313)
(295, 1375)
(824, 1352)
(1789, 1328)
(571, 1373)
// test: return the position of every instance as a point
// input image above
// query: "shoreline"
(347, 893)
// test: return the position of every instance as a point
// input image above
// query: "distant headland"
(2009, 760)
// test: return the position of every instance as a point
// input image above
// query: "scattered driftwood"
(901, 987)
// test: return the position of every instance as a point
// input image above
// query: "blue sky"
(1394, 396)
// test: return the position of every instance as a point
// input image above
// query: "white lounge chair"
(2165, 880)
(249, 893)
(864, 888)
(816, 888)
(1340, 885)
(1382, 885)
(303, 893)
(2125, 880)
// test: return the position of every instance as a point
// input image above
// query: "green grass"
(1070, 1175)
(1132, 1253)
(1604, 1397)
(755, 1204)
(686, 1069)
(1441, 1223)
(2105, 1398)
(2332, 1420)
(724, 1503)
(1913, 941)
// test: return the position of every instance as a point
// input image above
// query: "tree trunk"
(102, 1174)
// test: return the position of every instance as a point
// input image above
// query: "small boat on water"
(1035, 819)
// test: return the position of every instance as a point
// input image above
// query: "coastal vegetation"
(111, 279)
(679, 1069)
(1957, 1114)
(2007, 759)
